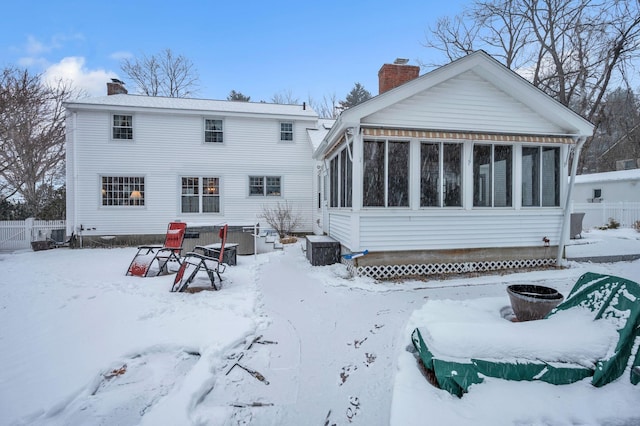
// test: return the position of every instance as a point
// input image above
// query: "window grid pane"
(210, 195)
(190, 195)
(273, 185)
(256, 185)
(122, 191)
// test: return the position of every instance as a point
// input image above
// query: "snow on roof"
(317, 135)
(633, 174)
(159, 102)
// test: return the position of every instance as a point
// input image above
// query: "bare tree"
(282, 218)
(571, 49)
(32, 135)
(328, 108)
(285, 97)
(163, 74)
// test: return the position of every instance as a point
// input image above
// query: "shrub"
(636, 225)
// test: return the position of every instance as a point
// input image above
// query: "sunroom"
(450, 173)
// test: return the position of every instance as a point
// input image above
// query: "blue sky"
(260, 48)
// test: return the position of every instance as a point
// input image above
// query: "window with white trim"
(540, 176)
(341, 169)
(492, 175)
(122, 190)
(122, 127)
(440, 174)
(200, 194)
(268, 186)
(286, 131)
(385, 174)
(213, 131)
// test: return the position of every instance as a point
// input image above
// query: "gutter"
(564, 233)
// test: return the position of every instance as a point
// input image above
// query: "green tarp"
(609, 298)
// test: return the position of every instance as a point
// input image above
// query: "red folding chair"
(162, 255)
(210, 260)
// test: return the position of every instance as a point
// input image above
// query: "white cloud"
(73, 70)
(118, 56)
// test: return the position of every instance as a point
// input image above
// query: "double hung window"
(213, 131)
(200, 195)
(286, 131)
(122, 127)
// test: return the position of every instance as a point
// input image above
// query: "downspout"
(564, 233)
(74, 170)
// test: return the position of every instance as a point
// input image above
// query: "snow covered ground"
(283, 343)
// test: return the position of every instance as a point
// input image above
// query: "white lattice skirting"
(394, 271)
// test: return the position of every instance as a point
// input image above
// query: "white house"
(135, 163)
(461, 169)
(609, 195)
(621, 185)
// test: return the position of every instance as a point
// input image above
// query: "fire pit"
(532, 302)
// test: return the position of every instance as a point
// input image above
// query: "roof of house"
(188, 104)
(489, 69)
(619, 175)
(317, 135)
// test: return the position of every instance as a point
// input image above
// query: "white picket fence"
(598, 214)
(18, 234)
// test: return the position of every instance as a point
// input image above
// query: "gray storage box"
(322, 250)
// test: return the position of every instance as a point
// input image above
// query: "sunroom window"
(492, 175)
(386, 174)
(341, 170)
(540, 176)
(440, 174)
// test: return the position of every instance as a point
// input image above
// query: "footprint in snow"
(346, 371)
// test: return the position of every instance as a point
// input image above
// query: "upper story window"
(265, 185)
(385, 174)
(213, 130)
(541, 176)
(492, 175)
(122, 126)
(286, 131)
(122, 190)
(200, 195)
(440, 174)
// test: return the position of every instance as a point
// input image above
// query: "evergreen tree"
(238, 96)
(356, 96)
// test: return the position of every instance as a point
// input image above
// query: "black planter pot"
(532, 302)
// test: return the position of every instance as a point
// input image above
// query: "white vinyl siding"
(169, 145)
(463, 103)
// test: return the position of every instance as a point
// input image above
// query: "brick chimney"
(116, 87)
(393, 75)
